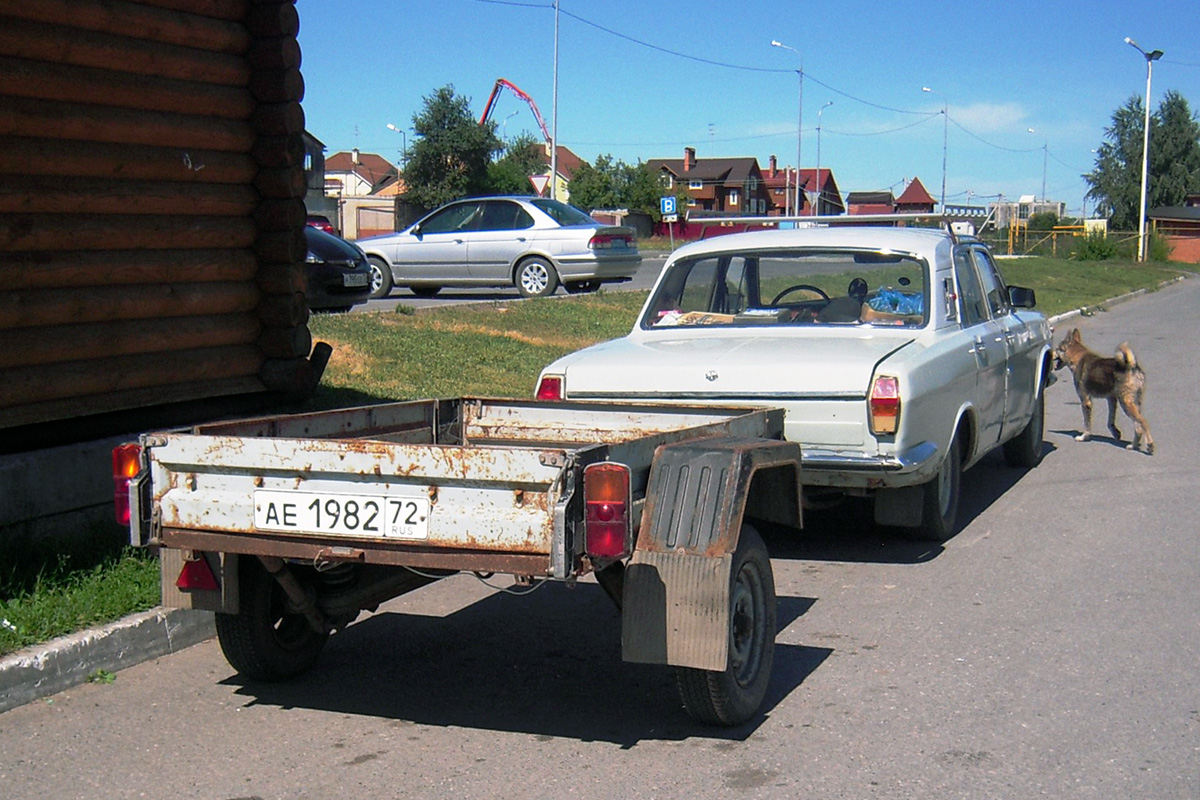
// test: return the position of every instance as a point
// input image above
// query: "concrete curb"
(49, 668)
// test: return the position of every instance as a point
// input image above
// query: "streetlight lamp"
(404, 142)
(820, 186)
(1151, 57)
(945, 139)
(1045, 152)
(799, 116)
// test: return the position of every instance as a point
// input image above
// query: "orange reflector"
(196, 575)
(607, 523)
(126, 464)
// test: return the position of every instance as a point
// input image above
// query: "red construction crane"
(491, 104)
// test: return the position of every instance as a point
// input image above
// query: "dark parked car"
(338, 273)
(320, 222)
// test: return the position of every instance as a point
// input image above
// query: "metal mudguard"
(675, 606)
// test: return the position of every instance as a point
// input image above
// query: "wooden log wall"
(151, 205)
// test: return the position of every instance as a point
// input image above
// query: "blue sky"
(642, 79)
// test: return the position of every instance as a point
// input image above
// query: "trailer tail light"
(196, 575)
(550, 387)
(885, 406)
(127, 463)
(607, 523)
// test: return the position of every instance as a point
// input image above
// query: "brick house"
(781, 185)
(915, 199)
(716, 185)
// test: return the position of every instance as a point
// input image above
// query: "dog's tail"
(1125, 357)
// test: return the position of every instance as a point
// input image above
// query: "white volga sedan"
(900, 355)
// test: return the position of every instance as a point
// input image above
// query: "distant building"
(1024, 208)
(915, 199)
(883, 202)
(1180, 225)
(356, 174)
(732, 186)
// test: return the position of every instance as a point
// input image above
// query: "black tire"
(265, 641)
(939, 503)
(734, 695)
(536, 278)
(1025, 449)
(581, 287)
(381, 278)
(425, 291)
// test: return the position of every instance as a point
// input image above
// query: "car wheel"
(1025, 449)
(266, 640)
(381, 278)
(939, 506)
(536, 278)
(581, 287)
(425, 291)
(733, 695)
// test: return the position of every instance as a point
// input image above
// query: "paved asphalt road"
(1050, 649)
(652, 263)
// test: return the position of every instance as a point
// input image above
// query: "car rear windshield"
(562, 213)
(786, 288)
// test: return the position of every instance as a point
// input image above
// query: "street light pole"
(945, 138)
(799, 117)
(554, 116)
(820, 186)
(1045, 153)
(1151, 57)
(404, 142)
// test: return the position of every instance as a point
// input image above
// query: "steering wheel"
(808, 287)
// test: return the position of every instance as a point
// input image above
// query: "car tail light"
(196, 575)
(607, 241)
(885, 405)
(550, 387)
(609, 530)
(126, 463)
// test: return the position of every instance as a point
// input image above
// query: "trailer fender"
(676, 595)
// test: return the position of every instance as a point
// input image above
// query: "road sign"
(540, 182)
(666, 206)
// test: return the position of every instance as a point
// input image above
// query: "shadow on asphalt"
(547, 664)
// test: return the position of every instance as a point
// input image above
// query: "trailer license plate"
(376, 516)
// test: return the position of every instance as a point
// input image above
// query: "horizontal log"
(73, 409)
(26, 117)
(279, 151)
(46, 308)
(280, 215)
(218, 9)
(273, 19)
(295, 342)
(287, 279)
(59, 269)
(25, 385)
(277, 119)
(64, 343)
(145, 22)
(277, 86)
(41, 42)
(22, 77)
(23, 155)
(282, 182)
(274, 247)
(283, 311)
(31, 232)
(277, 52)
(21, 194)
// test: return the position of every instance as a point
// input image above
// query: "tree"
(1043, 221)
(614, 184)
(450, 156)
(523, 157)
(1174, 163)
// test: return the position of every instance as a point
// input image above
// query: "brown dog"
(1118, 379)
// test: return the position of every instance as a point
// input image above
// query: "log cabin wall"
(151, 205)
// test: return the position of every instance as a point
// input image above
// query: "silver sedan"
(533, 243)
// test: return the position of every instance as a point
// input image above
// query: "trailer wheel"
(265, 641)
(733, 696)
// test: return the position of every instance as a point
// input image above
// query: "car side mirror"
(1021, 297)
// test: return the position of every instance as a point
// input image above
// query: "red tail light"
(127, 463)
(885, 406)
(550, 387)
(607, 241)
(609, 529)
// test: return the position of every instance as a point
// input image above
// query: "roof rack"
(945, 221)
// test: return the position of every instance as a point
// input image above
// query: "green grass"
(488, 349)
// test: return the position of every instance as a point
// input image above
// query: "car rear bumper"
(606, 267)
(833, 468)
